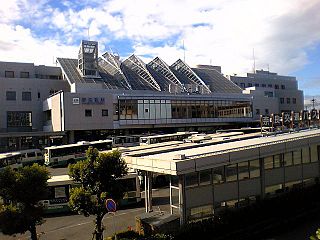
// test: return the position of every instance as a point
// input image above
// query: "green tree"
(21, 190)
(98, 176)
(317, 236)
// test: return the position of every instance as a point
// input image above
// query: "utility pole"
(313, 101)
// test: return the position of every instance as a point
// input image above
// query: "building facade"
(272, 93)
(208, 177)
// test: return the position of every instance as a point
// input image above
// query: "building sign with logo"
(75, 101)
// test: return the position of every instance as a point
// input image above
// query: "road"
(78, 227)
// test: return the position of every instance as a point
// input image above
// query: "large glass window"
(19, 119)
(11, 95)
(254, 167)
(26, 96)
(243, 170)
(218, 175)
(231, 173)
(277, 161)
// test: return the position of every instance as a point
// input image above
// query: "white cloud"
(221, 32)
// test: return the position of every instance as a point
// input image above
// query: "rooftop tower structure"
(88, 59)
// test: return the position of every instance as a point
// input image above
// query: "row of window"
(88, 113)
(251, 169)
(228, 173)
(304, 155)
(10, 74)
(294, 100)
(25, 96)
(266, 111)
(276, 86)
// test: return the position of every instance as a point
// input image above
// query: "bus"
(125, 141)
(63, 155)
(59, 192)
(179, 136)
(21, 158)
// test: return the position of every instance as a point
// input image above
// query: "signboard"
(286, 118)
(276, 120)
(314, 114)
(296, 117)
(75, 101)
(265, 121)
(111, 205)
(92, 100)
(305, 115)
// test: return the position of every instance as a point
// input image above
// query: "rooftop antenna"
(254, 61)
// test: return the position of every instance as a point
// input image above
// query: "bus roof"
(169, 135)
(16, 153)
(79, 144)
(59, 180)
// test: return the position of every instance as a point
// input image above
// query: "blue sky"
(285, 34)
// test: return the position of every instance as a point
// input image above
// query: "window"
(288, 100)
(19, 119)
(9, 74)
(268, 162)
(294, 100)
(26, 96)
(146, 110)
(276, 86)
(24, 74)
(314, 153)
(288, 159)
(254, 168)
(283, 87)
(277, 161)
(257, 111)
(88, 113)
(305, 155)
(192, 179)
(297, 157)
(282, 100)
(242, 85)
(249, 84)
(218, 175)
(257, 85)
(11, 95)
(231, 173)
(39, 95)
(105, 112)
(269, 85)
(205, 177)
(268, 94)
(264, 85)
(243, 170)
(266, 111)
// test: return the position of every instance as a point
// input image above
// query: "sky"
(281, 35)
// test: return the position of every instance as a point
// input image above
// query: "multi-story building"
(272, 93)
(94, 97)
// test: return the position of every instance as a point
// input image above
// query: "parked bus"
(179, 136)
(130, 140)
(70, 153)
(59, 192)
(21, 158)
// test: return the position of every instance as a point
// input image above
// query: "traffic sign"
(111, 205)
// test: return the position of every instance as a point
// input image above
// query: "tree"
(98, 175)
(316, 236)
(21, 190)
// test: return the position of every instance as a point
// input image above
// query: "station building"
(92, 97)
(230, 172)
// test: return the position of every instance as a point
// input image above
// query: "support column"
(148, 191)
(182, 200)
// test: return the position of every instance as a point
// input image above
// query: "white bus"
(21, 158)
(179, 136)
(70, 153)
(59, 192)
